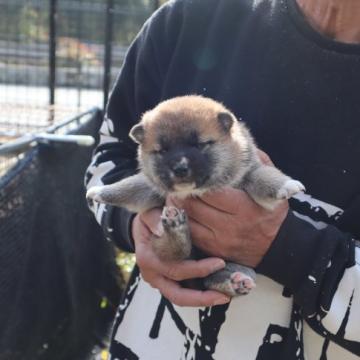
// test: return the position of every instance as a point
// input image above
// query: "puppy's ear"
(226, 121)
(137, 133)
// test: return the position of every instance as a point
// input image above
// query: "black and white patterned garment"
(298, 93)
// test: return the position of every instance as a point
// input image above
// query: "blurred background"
(62, 53)
(60, 281)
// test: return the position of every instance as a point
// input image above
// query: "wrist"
(287, 256)
(257, 247)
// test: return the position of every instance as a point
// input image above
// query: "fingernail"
(220, 264)
(222, 301)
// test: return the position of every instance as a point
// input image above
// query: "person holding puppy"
(290, 70)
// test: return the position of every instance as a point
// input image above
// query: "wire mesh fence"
(57, 53)
(58, 281)
(59, 285)
(59, 58)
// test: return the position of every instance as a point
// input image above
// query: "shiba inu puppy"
(190, 145)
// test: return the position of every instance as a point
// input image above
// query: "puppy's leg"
(134, 193)
(233, 280)
(175, 243)
(267, 186)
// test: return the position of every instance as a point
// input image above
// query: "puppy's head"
(191, 144)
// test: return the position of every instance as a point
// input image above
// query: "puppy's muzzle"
(181, 170)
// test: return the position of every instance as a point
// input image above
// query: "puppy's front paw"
(290, 188)
(173, 218)
(94, 194)
(174, 243)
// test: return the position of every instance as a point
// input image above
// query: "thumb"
(265, 158)
(152, 219)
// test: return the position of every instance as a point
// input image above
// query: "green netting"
(55, 267)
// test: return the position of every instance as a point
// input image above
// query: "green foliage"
(32, 23)
(81, 19)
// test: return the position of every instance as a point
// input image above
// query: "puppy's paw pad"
(94, 193)
(173, 217)
(242, 284)
(290, 188)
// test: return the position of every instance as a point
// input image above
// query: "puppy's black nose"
(181, 169)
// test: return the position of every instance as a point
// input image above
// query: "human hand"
(229, 224)
(166, 276)
(264, 158)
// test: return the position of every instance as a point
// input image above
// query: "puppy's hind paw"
(231, 284)
(241, 283)
(290, 188)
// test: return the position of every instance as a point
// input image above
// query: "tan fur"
(172, 116)
(234, 162)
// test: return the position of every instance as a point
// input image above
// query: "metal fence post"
(109, 32)
(52, 51)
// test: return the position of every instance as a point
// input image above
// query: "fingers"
(264, 157)
(204, 238)
(227, 200)
(149, 264)
(200, 211)
(190, 269)
(187, 297)
(165, 275)
(213, 204)
(151, 219)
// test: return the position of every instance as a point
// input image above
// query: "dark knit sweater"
(298, 93)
